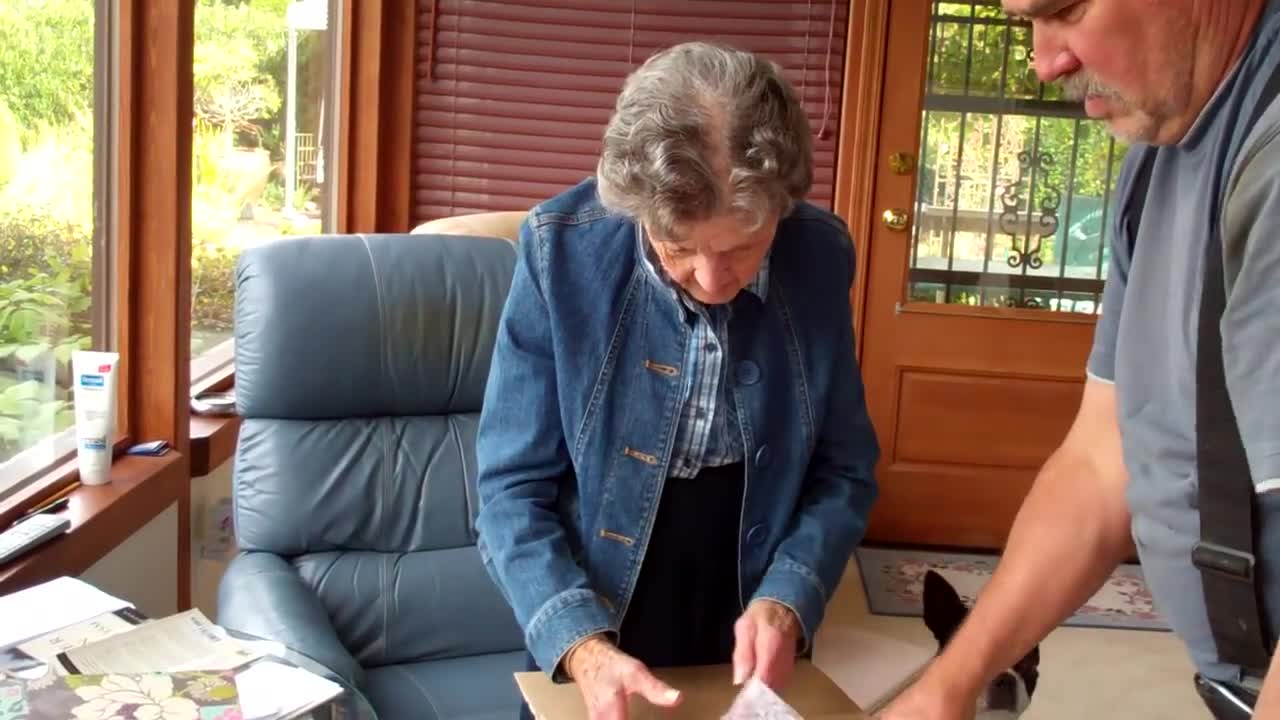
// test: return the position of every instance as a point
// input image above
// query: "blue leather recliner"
(360, 369)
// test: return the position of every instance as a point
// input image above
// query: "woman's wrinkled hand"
(766, 639)
(608, 677)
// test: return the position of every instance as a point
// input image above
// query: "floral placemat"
(894, 581)
(156, 696)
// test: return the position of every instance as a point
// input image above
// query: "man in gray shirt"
(1189, 81)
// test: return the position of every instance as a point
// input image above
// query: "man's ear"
(943, 608)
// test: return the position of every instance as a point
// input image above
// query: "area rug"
(893, 580)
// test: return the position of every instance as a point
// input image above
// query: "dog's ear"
(943, 608)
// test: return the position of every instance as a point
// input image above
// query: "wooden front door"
(987, 255)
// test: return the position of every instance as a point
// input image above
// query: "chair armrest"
(262, 595)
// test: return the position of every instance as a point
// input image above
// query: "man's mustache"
(1083, 83)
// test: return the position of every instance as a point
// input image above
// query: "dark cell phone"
(155, 447)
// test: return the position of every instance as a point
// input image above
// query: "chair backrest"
(361, 362)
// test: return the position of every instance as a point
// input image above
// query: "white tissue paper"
(757, 701)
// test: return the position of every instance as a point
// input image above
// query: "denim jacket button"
(763, 456)
(748, 372)
(755, 535)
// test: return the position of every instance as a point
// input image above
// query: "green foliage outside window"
(47, 184)
(975, 54)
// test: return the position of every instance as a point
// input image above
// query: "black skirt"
(687, 599)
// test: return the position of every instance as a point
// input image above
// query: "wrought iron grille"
(1014, 182)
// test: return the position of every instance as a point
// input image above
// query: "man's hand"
(608, 677)
(766, 638)
(931, 698)
(1269, 699)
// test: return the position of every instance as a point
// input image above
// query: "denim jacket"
(580, 411)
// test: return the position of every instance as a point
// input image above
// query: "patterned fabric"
(152, 696)
(707, 435)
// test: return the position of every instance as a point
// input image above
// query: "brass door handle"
(895, 219)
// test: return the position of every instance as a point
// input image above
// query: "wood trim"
(867, 44)
(213, 442)
(998, 313)
(158, 354)
(216, 383)
(104, 516)
(362, 129)
(379, 137)
(395, 131)
(160, 204)
(59, 477)
(346, 118)
(63, 473)
(122, 210)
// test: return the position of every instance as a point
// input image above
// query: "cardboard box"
(708, 693)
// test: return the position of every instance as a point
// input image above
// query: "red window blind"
(512, 96)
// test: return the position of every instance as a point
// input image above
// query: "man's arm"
(831, 518)
(1251, 328)
(1251, 319)
(523, 459)
(1069, 535)
(1269, 701)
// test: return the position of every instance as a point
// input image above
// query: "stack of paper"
(66, 628)
(186, 641)
(51, 606)
(271, 690)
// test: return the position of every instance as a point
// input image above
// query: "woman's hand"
(766, 639)
(608, 677)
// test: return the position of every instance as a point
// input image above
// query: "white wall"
(212, 539)
(144, 568)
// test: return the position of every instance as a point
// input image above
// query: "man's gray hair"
(700, 130)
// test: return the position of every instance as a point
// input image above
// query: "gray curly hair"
(701, 129)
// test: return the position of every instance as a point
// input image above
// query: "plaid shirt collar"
(759, 285)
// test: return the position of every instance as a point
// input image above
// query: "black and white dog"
(1010, 693)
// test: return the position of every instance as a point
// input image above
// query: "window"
(56, 95)
(263, 149)
(1014, 183)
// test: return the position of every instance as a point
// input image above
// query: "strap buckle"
(1228, 562)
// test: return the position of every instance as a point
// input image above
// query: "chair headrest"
(367, 325)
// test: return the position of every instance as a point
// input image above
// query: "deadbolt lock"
(895, 219)
(902, 163)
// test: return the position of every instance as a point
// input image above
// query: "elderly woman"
(675, 461)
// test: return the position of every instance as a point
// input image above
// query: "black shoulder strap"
(1225, 554)
(1136, 199)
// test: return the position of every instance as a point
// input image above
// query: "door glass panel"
(1014, 183)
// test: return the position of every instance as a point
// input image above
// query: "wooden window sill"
(213, 442)
(102, 517)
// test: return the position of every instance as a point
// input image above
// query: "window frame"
(214, 369)
(150, 146)
(153, 112)
(26, 470)
(373, 71)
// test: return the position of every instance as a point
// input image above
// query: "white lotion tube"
(95, 403)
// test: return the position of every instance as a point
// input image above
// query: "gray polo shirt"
(1146, 337)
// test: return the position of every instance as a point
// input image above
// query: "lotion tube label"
(95, 404)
